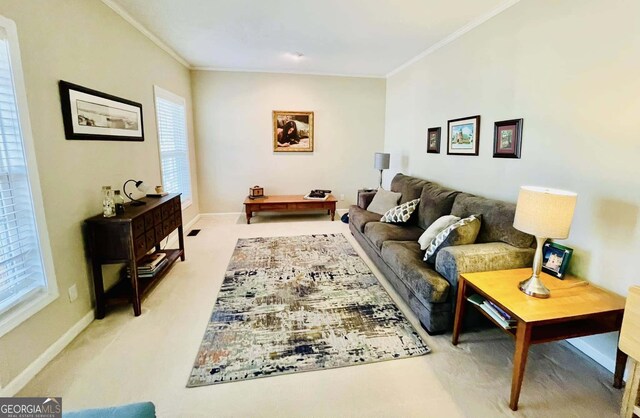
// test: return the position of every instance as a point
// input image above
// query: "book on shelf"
(150, 265)
(505, 322)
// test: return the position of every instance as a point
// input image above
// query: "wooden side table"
(575, 309)
(630, 344)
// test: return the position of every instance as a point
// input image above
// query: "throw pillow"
(383, 201)
(434, 229)
(463, 232)
(401, 213)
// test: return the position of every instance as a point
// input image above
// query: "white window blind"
(21, 266)
(174, 145)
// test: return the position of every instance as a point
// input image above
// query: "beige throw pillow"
(463, 232)
(383, 201)
(434, 229)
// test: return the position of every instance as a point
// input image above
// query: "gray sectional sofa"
(430, 289)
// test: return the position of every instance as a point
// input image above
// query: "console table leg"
(333, 214)
(249, 213)
(135, 289)
(181, 241)
(523, 338)
(98, 287)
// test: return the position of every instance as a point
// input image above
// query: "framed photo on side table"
(555, 259)
(463, 136)
(92, 115)
(507, 139)
(433, 140)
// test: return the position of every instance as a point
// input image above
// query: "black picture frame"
(84, 110)
(507, 138)
(433, 147)
(555, 259)
(457, 129)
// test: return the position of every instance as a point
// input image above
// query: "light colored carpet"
(123, 359)
(298, 304)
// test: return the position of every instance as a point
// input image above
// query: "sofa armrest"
(453, 261)
(365, 198)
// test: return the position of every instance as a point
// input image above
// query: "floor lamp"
(381, 162)
(543, 213)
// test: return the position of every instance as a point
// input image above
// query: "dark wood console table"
(126, 239)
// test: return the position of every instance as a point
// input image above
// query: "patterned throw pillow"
(463, 232)
(400, 213)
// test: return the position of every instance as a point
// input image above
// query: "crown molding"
(293, 72)
(455, 35)
(153, 38)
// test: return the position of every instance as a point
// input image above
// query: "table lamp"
(381, 162)
(140, 186)
(543, 213)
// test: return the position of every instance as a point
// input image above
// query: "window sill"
(186, 204)
(25, 310)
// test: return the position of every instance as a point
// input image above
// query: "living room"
(376, 79)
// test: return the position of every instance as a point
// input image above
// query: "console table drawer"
(317, 205)
(138, 227)
(271, 207)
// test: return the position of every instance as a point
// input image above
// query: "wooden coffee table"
(575, 309)
(288, 203)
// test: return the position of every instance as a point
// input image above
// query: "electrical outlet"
(73, 293)
(341, 196)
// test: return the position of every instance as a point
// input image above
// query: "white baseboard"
(54, 349)
(597, 356)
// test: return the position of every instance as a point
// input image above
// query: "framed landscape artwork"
(433, 140)
(292, 131)
(463, 136)
(92, 115)
(507, 139)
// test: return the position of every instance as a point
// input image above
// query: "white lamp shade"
(381, 161)
(545, 212)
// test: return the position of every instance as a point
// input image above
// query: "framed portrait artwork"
(292, 131)
(507, 139)
(92, 115)
(433, 140)
(555, 259)
(463, 136)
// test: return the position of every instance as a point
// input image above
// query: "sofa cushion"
(359, 217)
(404, 258)
(401, 213)
(410, 187)
(435, 201)
(379, 232)
(434, 229)
(497, 219)
(463, 232)
(383, 201)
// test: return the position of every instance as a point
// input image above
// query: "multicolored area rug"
(295, 304)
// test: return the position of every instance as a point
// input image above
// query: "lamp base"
(533, 286)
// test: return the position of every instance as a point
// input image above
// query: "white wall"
(571, 70)
(86, 43)
(235, 143)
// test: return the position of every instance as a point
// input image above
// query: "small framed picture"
(507, 139)
(463, 136)
(555, 259)
(292, 131)
(433, 140)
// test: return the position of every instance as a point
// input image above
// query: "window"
(174, 144)
(27, 280)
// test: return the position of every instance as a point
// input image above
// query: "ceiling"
(339, 37)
